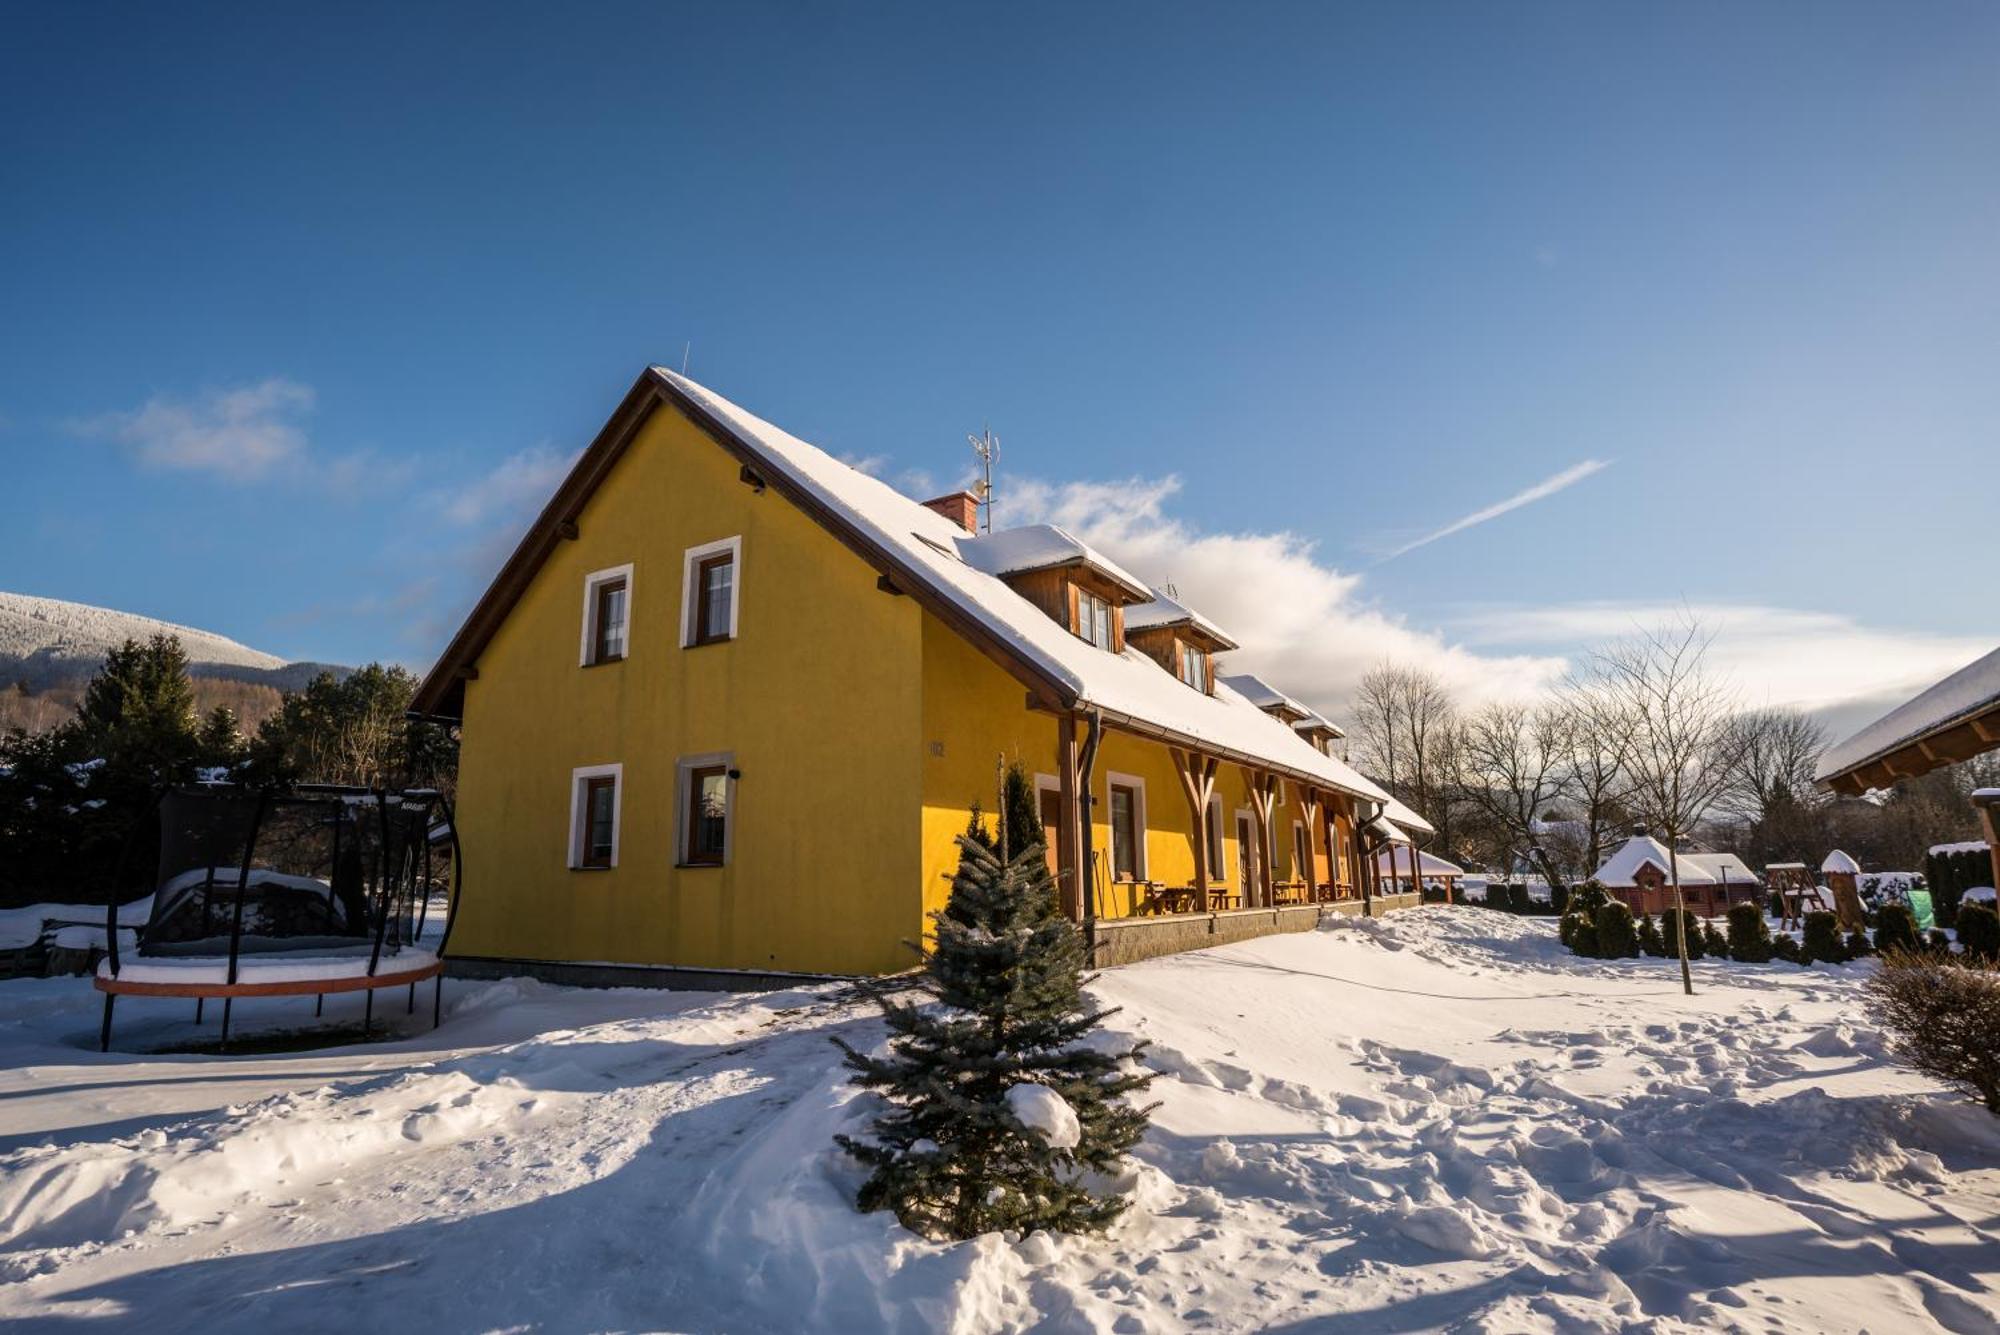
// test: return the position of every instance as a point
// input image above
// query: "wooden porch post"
(1263, 787)
(1197, 775)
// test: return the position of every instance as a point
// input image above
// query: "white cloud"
(238, 435)
(1542, 490)
(1817, 661)
(1303, 624)
(520, 482)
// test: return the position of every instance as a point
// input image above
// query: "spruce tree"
(950, 1156)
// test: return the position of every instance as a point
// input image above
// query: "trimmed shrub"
(1616, 937)
(1786, 948)
(1559, 898)
(1943, 1017)
(1979, 931)
(1939, 942)
(1650, 942)
(1566, 929)
(1820, 942)
(1585, 941)
(1857, 945)
(1713, 942)
(1517, 899)
(1895, 928)
(1588, 898)
(1672, 924)
(1749, 935)
(1949, 875)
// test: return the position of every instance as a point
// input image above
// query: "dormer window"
(1093, 619)
(1194, 667)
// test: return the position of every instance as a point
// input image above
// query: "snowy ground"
(1439, 1121)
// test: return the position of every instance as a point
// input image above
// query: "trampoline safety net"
(244, 872)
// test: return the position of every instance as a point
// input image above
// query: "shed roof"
(1621, 868)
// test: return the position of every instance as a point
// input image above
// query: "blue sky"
(304, 309)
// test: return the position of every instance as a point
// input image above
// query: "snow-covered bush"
(1857, 946)
(1786, 948)
(998, 1105)
(1583, 940)
(1616, 937)
(1978, 931)
(1895, 928)
(1749, 934)
(1943, 1016)
(1820, 942)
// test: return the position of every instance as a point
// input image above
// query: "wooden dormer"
(1178, 640)
(1320, 732)
(1076, 587)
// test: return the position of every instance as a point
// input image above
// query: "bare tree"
(1600, 743)
(1512, 765)
(1405, 726)
(1681, 757)
(1776, 752)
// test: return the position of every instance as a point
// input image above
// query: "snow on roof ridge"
(1971, 688)
(1129, 684)
(1016, 551)
(1164, 610)
(1837, 861)
(1619, 869)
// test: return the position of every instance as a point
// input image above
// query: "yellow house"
(729, 703)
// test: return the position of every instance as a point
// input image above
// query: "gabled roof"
(1264, 695)
(1431, 863)
(1317, 722)
(1723, 868)
(1954, 720)
(1620, 869)
(917, 552)
(1017, 551)
(1161, 610)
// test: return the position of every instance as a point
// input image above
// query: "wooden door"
(1051, 804)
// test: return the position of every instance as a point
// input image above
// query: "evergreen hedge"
(1749, 934)
(1650, 941)
(1672, 924)
(1821, 939)
(1895, 928)
(1616, 937)
(1979, 931)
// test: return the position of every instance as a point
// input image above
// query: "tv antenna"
(987, 446)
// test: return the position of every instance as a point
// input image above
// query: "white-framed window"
(1218, 865)
(705, 826)
(607, 615)
(1093, 618)
(1126, 810)
(711, 591)
(596, 792)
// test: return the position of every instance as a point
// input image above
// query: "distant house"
(1640, 874)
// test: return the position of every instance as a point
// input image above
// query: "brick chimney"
(961, 508)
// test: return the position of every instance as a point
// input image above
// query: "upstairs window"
(1194, 667)
(1093, 619)
(607, 615)
(711, 593)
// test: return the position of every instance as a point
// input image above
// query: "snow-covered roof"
(1314, 721)
(1264, 695)
(1432, 864)
(1387, 831)
(1161, 610)
(1016, 551)
(1621, 868)
(1968, 691)
(1724, 867)
(1839, 862)
(1963, 846)
(1130, 688)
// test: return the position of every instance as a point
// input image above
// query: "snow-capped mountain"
(43, 639)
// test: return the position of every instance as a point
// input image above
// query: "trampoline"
(298, 891)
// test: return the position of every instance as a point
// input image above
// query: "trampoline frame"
(388, 882)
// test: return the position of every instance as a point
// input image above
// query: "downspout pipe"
(1084, 764)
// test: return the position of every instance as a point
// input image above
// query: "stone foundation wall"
(1129, 940)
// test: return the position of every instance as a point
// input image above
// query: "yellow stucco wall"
(817, 700)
